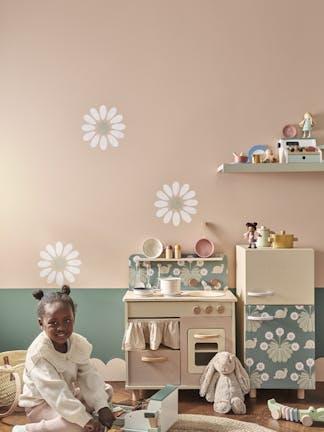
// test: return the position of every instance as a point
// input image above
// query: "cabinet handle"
(259, 294)
(206, 336)
(153, 359)
(260, 318)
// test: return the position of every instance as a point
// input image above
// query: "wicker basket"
(12, 365)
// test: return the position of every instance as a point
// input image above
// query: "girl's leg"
(44, 419)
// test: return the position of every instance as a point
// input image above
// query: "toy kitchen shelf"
(270, 167)
(184, 259)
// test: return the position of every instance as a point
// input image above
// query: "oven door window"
(203, 344)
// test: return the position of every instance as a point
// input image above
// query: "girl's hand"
(106, 417)
(93, 426)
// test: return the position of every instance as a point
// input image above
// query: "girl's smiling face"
(57, 322)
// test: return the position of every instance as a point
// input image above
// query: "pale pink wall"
(194, 80)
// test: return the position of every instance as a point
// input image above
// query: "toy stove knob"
(220, 309)
(196, 310)
(209, 309)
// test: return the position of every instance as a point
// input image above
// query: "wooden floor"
(191, 403)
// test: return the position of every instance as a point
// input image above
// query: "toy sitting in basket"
(305, 416)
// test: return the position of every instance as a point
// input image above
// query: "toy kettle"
(263, 237)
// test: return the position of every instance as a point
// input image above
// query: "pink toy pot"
(204, 248)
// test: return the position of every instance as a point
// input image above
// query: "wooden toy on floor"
(305, 416)
(159, 415)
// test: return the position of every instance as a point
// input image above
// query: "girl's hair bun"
(38, 294)
(65, 289)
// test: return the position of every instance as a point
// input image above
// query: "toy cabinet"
(275, 289)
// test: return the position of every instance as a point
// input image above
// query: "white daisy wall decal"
(103, 126)
(176, 203)
(59, 263)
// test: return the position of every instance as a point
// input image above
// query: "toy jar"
(263, 237)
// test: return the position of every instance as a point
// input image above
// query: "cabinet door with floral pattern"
(280, 346)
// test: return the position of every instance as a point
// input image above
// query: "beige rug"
(203, 423)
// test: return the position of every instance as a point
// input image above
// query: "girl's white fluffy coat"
(55, 377)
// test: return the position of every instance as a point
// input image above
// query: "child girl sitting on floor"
(61, 387)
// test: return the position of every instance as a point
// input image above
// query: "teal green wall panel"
(99, 317)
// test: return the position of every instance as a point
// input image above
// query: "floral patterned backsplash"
(191, 269)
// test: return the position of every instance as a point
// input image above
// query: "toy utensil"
(148, 277)
(138, 283)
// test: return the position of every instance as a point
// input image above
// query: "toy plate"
(289, 131)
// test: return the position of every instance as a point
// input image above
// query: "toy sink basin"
(203, 293)
(282, 240)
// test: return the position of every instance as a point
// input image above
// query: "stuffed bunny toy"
(225, 382)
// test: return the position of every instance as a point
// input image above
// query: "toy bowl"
(204, 248)
(152, 247)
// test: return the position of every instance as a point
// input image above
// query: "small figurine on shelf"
(307, 125)
(269, 157)
(251, 233)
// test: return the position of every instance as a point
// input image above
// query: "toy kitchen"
(170, 336)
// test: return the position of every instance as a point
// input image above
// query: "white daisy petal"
(88, 136)
(45, 272)
(190, 202)
(111, 113)
(175, 188)
(69, 277)
(185, 216)
(51, 250)
(51, 277)
(118, 126)
(89, 119)
(162, 196)
(59, 248)
(167, 190)
(74, 270)
(113, 141)
(94, 114)
(88, 127)
(161, 204)
(161, 212)
(103, 143)
(176, 218)
(190, 210)
(95, 141)
(67, 249)
(103, 112)
(184, 189)
(74, 262)
(45, 256)
(116, 119)
(117, 134)
(189, 195)
(72, 255)
(167, 217)
(43, 264)
(59, 278)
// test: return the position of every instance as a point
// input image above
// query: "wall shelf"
(271, 168)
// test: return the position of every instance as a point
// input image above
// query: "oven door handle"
(206, 336)
(260, 318)
(153, 359)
